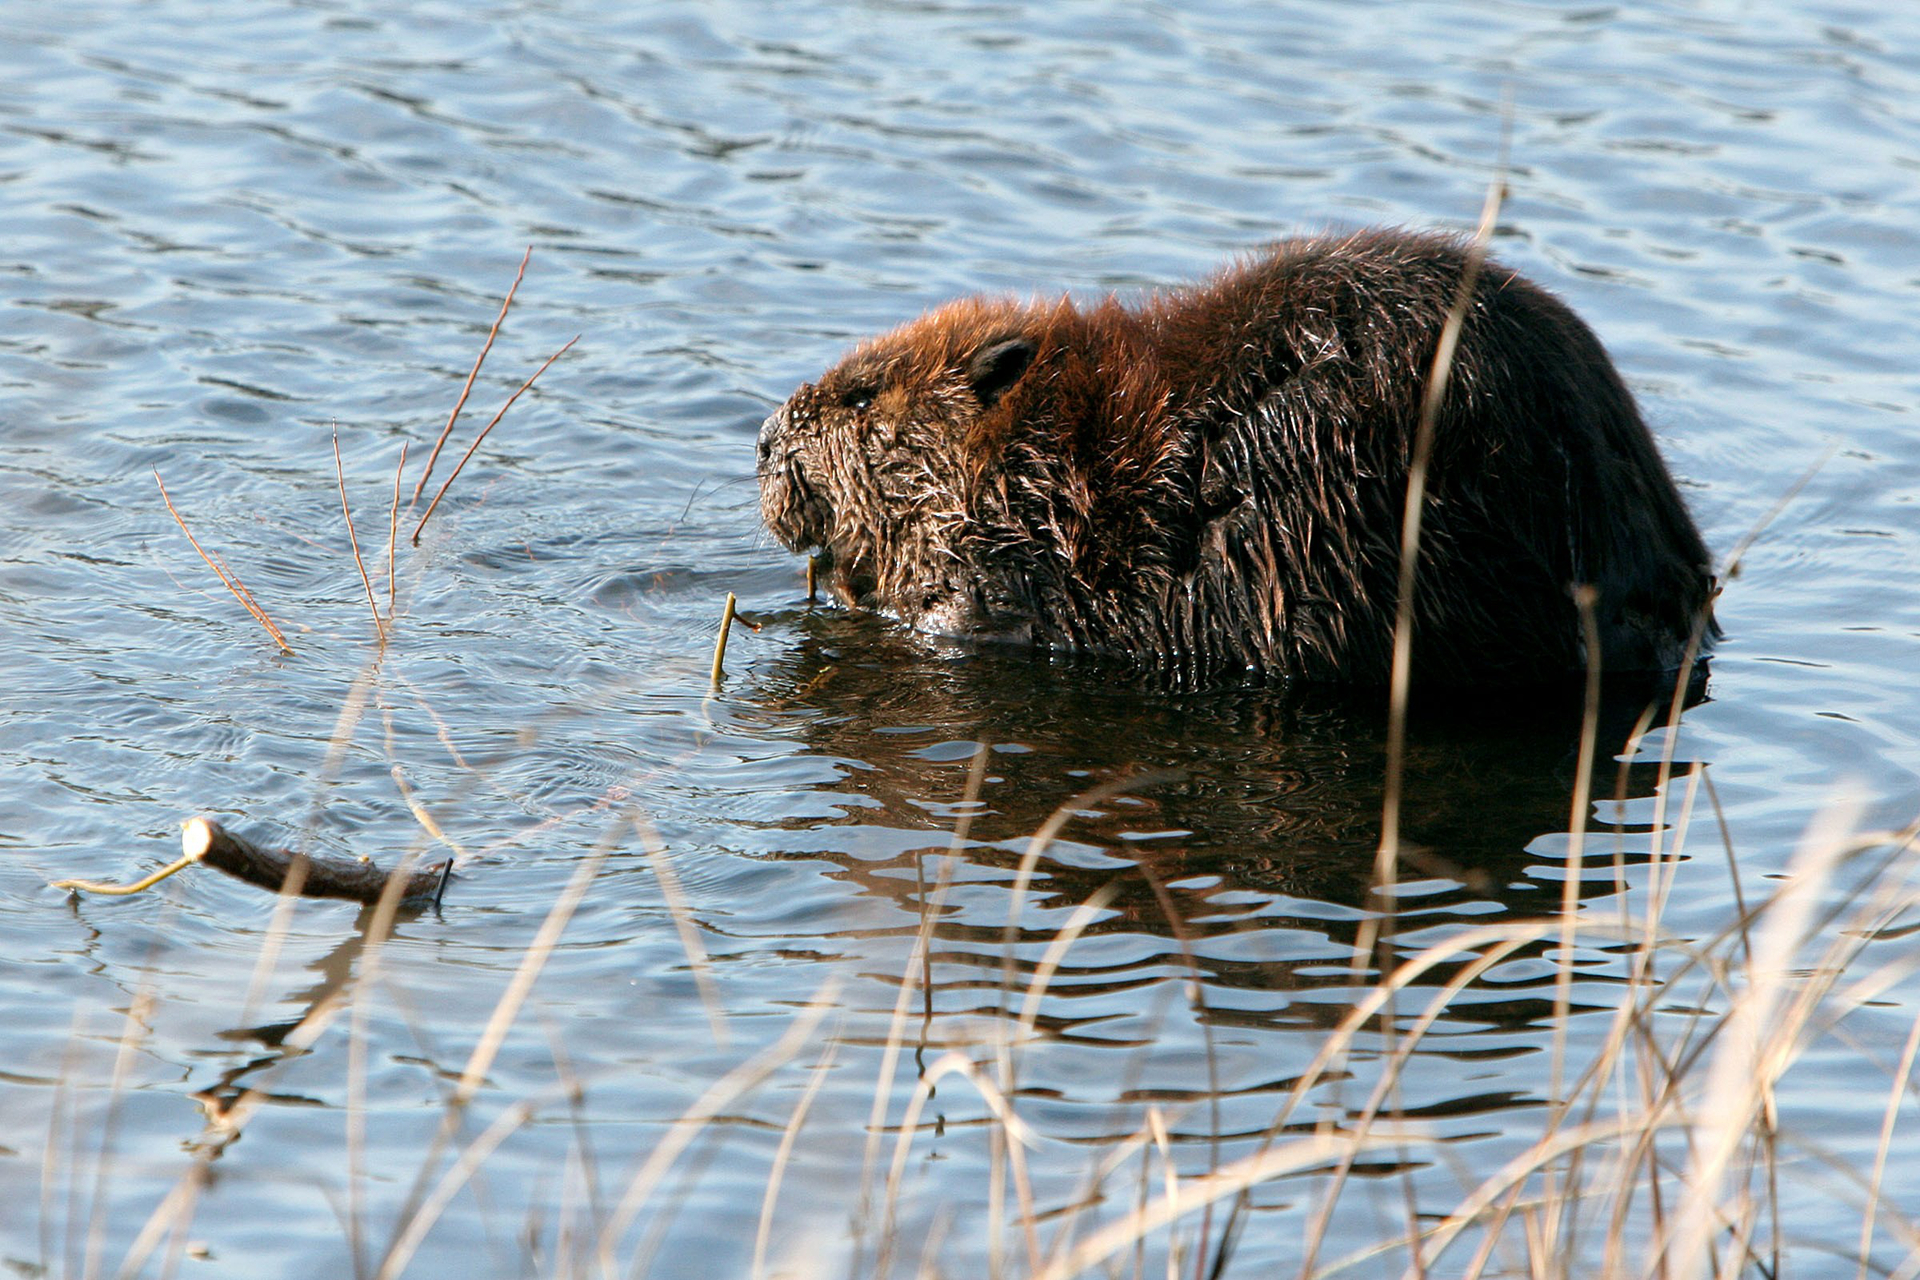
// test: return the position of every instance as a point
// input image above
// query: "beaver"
(1211, 481)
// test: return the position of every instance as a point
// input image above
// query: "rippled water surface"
(235, 230)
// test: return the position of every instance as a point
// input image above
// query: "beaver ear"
(996, 368)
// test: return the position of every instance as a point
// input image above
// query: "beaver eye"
(857, 398)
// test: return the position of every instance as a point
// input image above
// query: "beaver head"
(976, 471)
(876, 467)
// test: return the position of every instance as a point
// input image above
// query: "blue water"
(233, 231)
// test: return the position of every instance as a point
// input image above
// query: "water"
(235, 230)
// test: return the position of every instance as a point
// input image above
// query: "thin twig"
(720, 646)
(468, 388)
(393, 527)
(483, 435)
(379, 627)
(225, 575)
(123, 890)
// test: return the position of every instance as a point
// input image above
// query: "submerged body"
(1213, 481)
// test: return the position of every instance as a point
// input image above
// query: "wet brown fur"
(1212, 481)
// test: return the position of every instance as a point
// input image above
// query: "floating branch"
(326, 877)
(233, 583)
(466, 390)
(204, 840)
(448, 484)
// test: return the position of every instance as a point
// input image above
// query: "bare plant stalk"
(379, 627)
(466, 390)
(379, 929)
(720, 645)
(225, 575)
(1749, 1057)
(483, 435)
(1056, 952)
(412, 1221)
(421, 816)
(423, 1217)
(1628, 1024)
(393, 528)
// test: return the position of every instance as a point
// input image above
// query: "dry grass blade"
(916, 974)
(139, 1016)
(427, 824)
(422, 1219)
(353, 538)
(379, 929)
(535, 959)
(1542, 1154)
(1400, 1059)
(467, 390)
(694, 1120)
(505, 1012)
(1042, 838)
(777, 1172)
(63, 1106)
(483, 435)
(1338, 1042)
(1019, 1135)
(1895, 1095)
(656, 851)
(1198, 1192)
(176, 1209)
(1170, 1173)
(1749, 1059)
(1083, 916)
(1402, 669)
(225, 575)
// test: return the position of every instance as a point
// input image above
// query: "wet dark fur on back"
(1213, 481)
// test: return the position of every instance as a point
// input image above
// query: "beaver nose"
(768, 430)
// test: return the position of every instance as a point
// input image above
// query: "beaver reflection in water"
(1212, 481)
